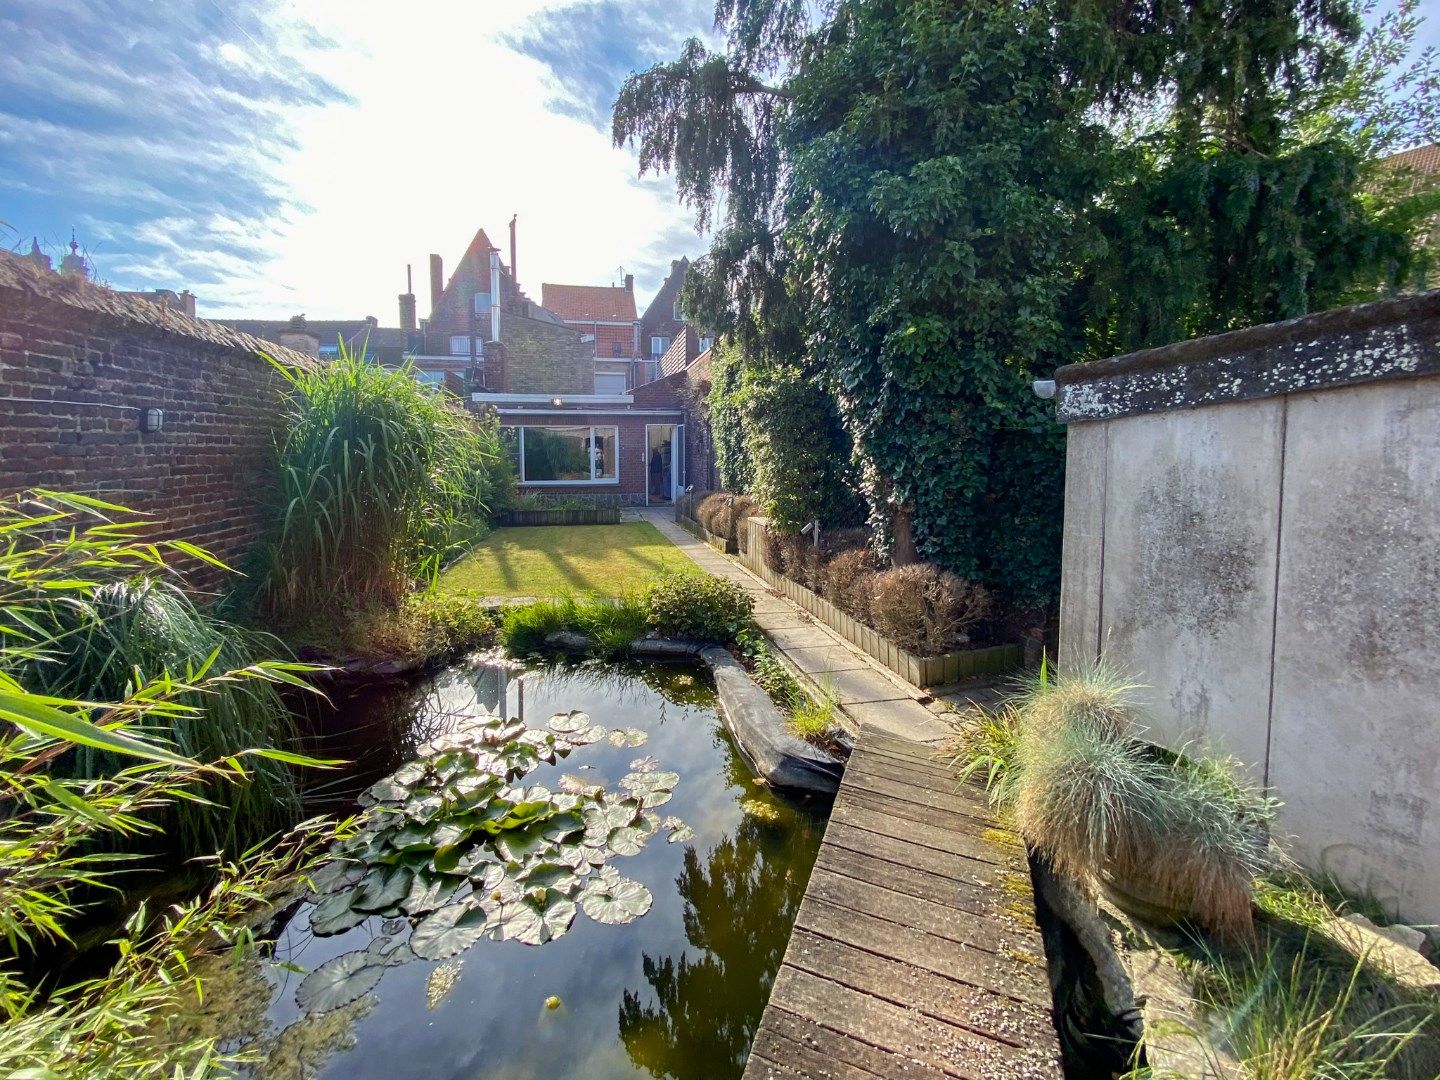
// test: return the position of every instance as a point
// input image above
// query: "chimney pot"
(437, 283)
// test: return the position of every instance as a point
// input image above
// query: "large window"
(567, 455)
(460, 345)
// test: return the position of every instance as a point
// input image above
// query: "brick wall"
(70, 353)
(545, 357)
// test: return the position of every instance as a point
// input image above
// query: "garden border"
(598, 515)
(922, 671)
(715, 540)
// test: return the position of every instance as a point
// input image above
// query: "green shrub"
(925, 609)
(380, 479)
(426, 625)
(699, 607)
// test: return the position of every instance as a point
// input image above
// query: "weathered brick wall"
(545, 357)
(77, 363)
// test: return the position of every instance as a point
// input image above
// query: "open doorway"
(664, 462)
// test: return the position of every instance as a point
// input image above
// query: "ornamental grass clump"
(380, 479)
(1107, 810)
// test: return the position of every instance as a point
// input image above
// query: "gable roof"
(578, 303)
(1423, 159)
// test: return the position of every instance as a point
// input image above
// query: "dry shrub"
(839, 579)
(743, 509)
(924, 609)
(773, 555)
(847, 539)
(801, 562)
(708, 509)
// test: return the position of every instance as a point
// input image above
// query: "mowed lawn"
(553, 560)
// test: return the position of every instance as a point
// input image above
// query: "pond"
(677, 992)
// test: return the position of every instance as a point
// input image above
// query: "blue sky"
(281, 157)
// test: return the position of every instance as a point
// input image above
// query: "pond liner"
(786, 761)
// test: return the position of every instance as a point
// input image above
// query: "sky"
(282, 157)
(279, 158)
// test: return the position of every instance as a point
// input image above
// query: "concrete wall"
(1252, 526)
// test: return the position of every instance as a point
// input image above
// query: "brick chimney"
(299, 337)
(407, 302)
(437, 283)
(629, 282)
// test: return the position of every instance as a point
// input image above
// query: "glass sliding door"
(664, 462)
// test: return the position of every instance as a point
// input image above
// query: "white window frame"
(466, 343)
(481, 309)
(593, 481)
(663, 348)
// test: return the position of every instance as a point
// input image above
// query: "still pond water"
(676, 993)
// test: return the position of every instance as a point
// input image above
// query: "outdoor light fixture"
(556, 402)
(1044, 388)
(152, 419)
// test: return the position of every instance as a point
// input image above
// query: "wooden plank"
(991, 933)
(952, 1050)
(882, 823)
(961, 868)
(1022, 977)
(876, 1061)
(963, 1004)
(787, 1045)
(983, 900)
(942, 803)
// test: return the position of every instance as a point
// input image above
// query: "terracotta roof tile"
(1423, 159)
(576, 303)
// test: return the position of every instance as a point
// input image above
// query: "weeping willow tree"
(941, 202)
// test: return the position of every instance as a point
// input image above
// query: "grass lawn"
(553, 560)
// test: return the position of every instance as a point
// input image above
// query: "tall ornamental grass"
(92, 610)
(380, 479)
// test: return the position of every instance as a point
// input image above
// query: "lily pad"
(534, 923)
(339, 981)
(680, 834)
(334, 915)
(625, 841)
(645, 764)
(569, 723)
(335, 876)
(628, 737)
(612, 899)
(382, 889)
(449, 931)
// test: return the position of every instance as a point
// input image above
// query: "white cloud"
(447, 131)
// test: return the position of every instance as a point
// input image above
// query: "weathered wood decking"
(915, 951)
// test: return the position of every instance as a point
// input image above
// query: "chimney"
(514, 257)
(629, 282)
(437, 283)
(407, 302)
(298, 337)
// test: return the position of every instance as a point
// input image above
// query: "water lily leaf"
(649, 781)
(549, 875)
(422, 807)
(409, 774)
(382, 889)
(680, 833)
(536, 922)
(628, 737)
(450, 833)
(612, 899)
(334, 915)
(412, 838)
(569, 723)
(644, 764)
(339, 981)
(449, 931)
(589, 735)
(518, 845)
(648, 824)
(574, 785)
(626, 841)
(655, 797)
(391, 926)
(334, 876)
(388, 790)
(489, 877)
(447, 859)
(563, 826)
(614, 815)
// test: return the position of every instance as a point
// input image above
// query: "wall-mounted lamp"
(1044, 388)
(152, 419)
(556, 402)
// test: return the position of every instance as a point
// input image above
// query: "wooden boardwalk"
(915, 952)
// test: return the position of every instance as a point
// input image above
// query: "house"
(662, 324)
(606, 316)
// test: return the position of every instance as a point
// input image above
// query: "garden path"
(915, 951)
(868, 694)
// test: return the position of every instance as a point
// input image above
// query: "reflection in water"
(739, 907)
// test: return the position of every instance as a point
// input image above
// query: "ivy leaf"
(339, 981)
(449, 931)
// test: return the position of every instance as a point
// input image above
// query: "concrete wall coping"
(1387, 339)
(19, 275)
